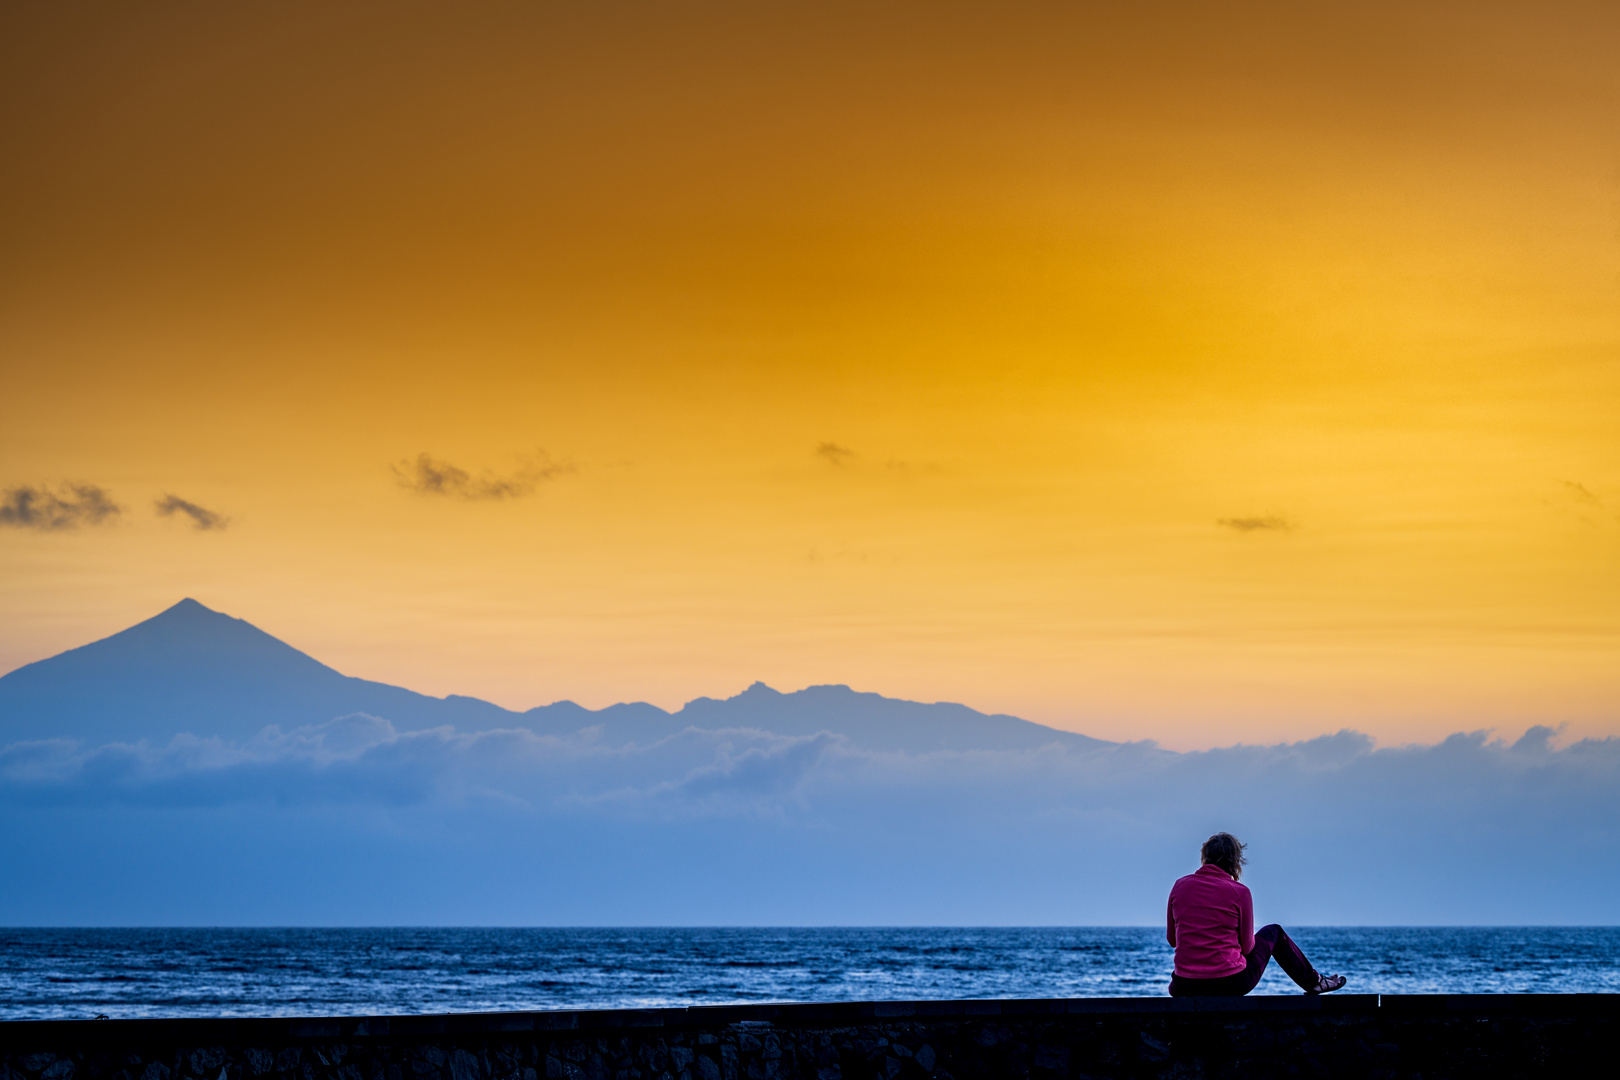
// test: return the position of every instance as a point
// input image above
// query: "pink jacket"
(1210, 921)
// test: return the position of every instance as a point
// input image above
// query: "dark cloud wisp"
(833, 454)
(201, 517)
(427, 475)
(68, 507)
(1262, 523)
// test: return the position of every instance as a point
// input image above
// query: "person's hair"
(1225, 851)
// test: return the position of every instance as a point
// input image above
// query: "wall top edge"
(795, 1014)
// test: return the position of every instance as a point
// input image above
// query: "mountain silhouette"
(873, 721)
(195, 670)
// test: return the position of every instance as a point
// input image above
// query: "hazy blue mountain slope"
(622, 724)
(873, 721)
(197, 670)
(192, 669)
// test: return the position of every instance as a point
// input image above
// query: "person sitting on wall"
(1210, 921)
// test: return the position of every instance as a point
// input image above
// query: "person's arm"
(1170, 920)
(1245, 921)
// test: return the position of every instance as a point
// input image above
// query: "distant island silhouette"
(193, 669)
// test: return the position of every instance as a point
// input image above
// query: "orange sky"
(1201, 373)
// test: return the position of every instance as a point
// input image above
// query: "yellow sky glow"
(1183, 373)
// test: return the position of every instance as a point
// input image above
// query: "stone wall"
(1343, 1035)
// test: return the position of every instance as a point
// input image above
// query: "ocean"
(124, 973)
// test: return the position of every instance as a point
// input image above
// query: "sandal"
(1326, 984)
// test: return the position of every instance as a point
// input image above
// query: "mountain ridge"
(193, 669)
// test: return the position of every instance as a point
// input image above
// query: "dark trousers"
(1269, 941)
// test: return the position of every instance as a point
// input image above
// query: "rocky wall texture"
(1429, 1038)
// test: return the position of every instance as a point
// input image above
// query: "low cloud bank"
(743, 825)
(748, 771)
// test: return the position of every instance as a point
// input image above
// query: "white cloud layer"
(1470, 829)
